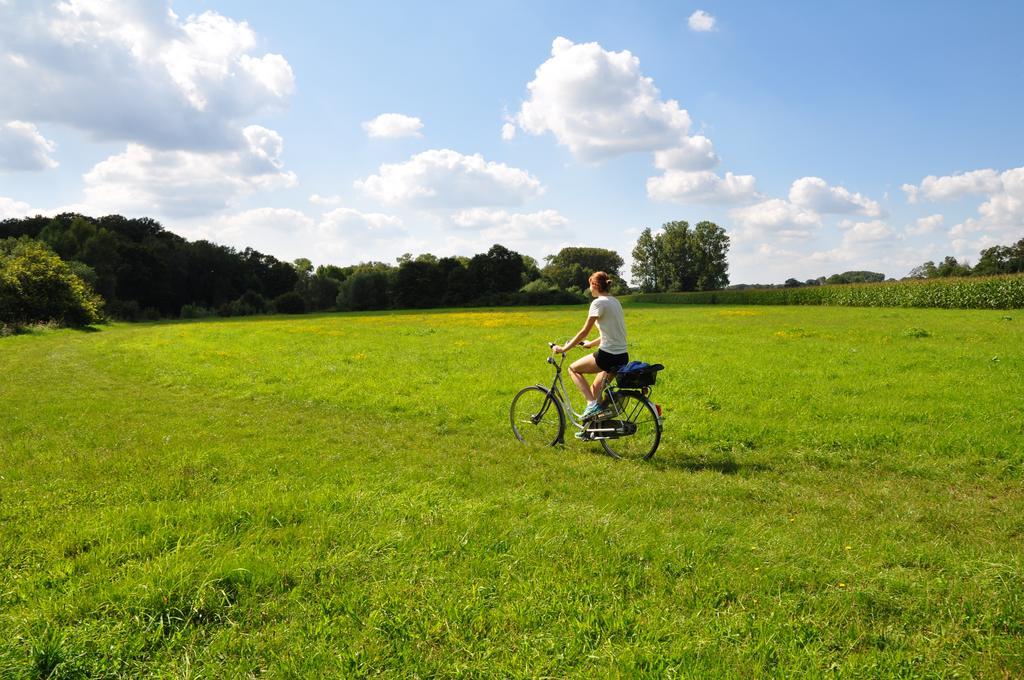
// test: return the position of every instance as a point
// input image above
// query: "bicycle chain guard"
(608, 429)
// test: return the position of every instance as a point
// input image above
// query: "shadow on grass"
(38, 329)
(722, 466)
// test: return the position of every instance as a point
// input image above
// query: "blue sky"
(822, 136)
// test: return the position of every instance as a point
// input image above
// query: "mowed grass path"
(837, 491)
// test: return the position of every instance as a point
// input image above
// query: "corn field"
(990, 292)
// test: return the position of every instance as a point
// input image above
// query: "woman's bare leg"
(598, 386)
(577, 372)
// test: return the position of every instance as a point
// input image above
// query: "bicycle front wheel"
(638, 425)
(536, 417)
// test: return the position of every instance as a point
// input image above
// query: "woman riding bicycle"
(606, 312)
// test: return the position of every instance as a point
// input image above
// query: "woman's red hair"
(603, 281)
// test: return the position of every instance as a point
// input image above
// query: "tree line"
(77, 269)
(991, 261)
(133, 269)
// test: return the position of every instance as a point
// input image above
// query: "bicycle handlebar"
(552, 344)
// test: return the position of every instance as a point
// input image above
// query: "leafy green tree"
(459, 287)
(924, 271)
(950, 266)
(323, 292)
(682, 259)
(531, 272)
(571, 267)
(710, 244)
(67, 233)
(856, 277)
(100, 252)
(318, 290)
(364, 290)
(84, 272)
(676, 256)
(1001, 260)
(290, 303)
(419, 282)
(332, 271)
(499, 270)
(36, 285)
(645, 263)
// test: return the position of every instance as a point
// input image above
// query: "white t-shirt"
(611, 323)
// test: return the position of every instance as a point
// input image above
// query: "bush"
(364, 290)
(253, 302)
(235, 308)
(248, 304)
(191, 311)
(289, 303)
(37, 286)
(537, 298)
(539, 286)
(126, 310)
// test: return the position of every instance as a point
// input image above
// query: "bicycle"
(631, 429)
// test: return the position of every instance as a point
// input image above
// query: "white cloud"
(508, 132)
(599, 104)
(442, 178)
(701, 187)
(934, 188)
(133, 70)
(815, 194)
(776, 218)
(926, 225)
(10, 208)
(317, 199)
(393, 126)
(1005, 206)
(22, 147)
(515, 226)
(345, 220)
(865, 232)
(701, 21)
(968, 247)
(477, 229)
(1000, 217)
(354, 236)
(967, 228)
(694, 153)
(151, 182)
(265, 229)
(787, 231)
(343, 236)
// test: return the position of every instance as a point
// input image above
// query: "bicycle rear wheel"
(635, 413)
(537, 417)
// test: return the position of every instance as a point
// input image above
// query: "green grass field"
(838, 491)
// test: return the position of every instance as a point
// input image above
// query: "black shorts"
(610, 362)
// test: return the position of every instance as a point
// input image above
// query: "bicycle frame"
(558, 392)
